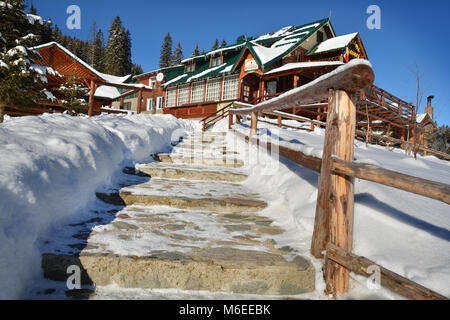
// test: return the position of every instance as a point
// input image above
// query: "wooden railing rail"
(221, 113)
(388, 279)
(359, 133)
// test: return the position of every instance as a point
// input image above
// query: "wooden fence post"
(334, 209)
(91, 98)
(253, 124)
(139, 102)
(230, 120)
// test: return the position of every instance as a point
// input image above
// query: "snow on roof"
(115, 79)
(286, 31)
(201, 74)
(106, 77)
(174, 80)
(84, 64)
(227, 69)
(193, 58)
(267, 54)
(282, 32)
(158, 70)
(335, 43)
(420, 117)
(290, 39)
(309, 26)
(300, 65)
(224, 49)
(107, 92)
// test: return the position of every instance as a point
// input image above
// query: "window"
(150, 104)
(183, 94)
(159, 102)
(127, 106)
(190, 67)
(152, 83)
(319, 36)
(213, 89)
(230, 87)
(271, 87)
(217, 61)
(171, 94)
(197, 91)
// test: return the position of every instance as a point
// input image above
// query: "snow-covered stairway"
(191, 226)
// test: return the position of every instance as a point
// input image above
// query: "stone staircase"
(186, 222)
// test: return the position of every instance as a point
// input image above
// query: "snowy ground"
(52, 166)
(404, 232)
(49, 176)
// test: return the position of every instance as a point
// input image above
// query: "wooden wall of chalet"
(244, 73)
(298, 55)
(192, 112)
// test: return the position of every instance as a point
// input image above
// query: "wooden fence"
(333, 227)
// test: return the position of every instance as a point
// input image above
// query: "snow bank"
(51, 167)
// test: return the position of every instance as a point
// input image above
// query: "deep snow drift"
(52, 165)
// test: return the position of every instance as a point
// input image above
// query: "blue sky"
(411, 32)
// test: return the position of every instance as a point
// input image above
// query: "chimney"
(429, 108)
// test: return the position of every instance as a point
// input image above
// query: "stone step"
(186, 146)
(212, 161)
(162, 247)
(208, 153)
(213, 196)
(192, 172)
(212, 269)
(208, 134)
(200, 139)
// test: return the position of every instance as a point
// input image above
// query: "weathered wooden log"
(309, 162)
(339, 134)
(93, 87)
(350, 77)
(370, 172)
(253, 124)
(389, 279)
(139, 102)
(390, 139)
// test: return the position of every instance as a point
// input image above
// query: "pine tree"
(128, 64)
(177, 55)
(72, 92)
(43, 31)
(223, 44)
(32, 10)
(196, 51)
(97, 52)
(118, 50)
(215, 45)
(57, 35)
(19, 77)
(165, 59)
(442, 139)
(136, 69)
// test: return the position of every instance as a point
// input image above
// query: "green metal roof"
(290, 38)
(203, 70)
